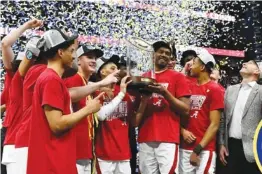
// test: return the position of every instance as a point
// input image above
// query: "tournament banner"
(257, 146)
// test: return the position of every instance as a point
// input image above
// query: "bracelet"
(198, 149)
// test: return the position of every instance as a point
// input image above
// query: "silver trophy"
(140, 63)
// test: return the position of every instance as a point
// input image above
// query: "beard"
(161, 64)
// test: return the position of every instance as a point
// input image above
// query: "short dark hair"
(185, 54)
(49, 54)
(209, 67)
(161, 44)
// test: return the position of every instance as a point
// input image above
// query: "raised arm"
(11, 38)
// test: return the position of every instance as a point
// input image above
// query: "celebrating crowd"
(69, 110)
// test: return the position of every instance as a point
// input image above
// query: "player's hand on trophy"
(124, 83)
(156, 88)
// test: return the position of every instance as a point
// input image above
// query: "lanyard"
(92, 119)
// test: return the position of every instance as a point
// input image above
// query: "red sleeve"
(53, 94)
(181, 87)
(216, 99)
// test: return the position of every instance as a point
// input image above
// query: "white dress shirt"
(235, 125)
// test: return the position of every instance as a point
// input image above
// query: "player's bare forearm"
(181, 106)
(7, 42)
(212, 129)
(183, 121)
(77, 93)
(136, 120)
(12, 37)
(60, 123)
(24, 66)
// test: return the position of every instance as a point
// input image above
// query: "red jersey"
(221, 88)
(47, 153)
(191, 81)
(160, 123)
(204, 98)
(22, 136)
(83, 129)
(5, 93)
(14, 111)
(112, 138)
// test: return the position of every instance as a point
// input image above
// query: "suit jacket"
(252, 115)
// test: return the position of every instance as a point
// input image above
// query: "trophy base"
(139, 83)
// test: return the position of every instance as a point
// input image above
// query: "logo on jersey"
(119, 113)
(158, 98)
(197, 101)
(165, 85)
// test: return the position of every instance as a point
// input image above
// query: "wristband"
(198, 149)
(29, 55)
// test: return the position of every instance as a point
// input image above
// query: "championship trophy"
(142, 72)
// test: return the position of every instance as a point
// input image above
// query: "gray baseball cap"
(84, 50)
(54, 38)
(206, 57)
(31, 45)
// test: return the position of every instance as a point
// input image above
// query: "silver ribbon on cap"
(32, 45)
